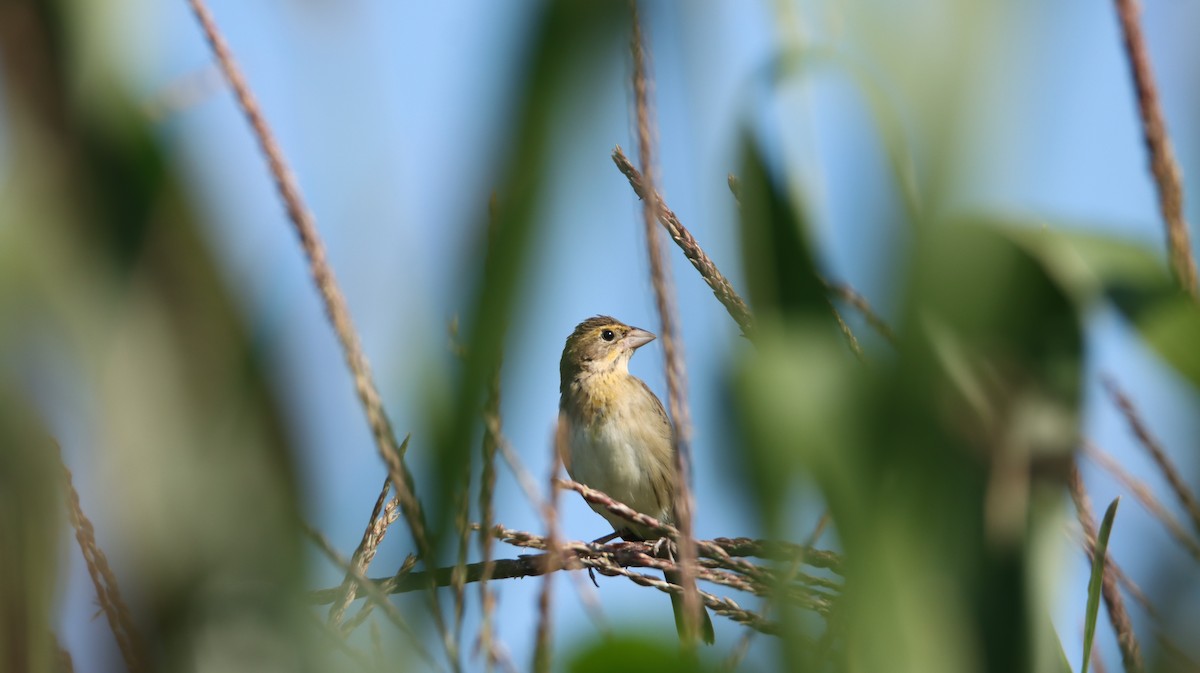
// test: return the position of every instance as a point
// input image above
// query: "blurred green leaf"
(1091, 266)
(633, 654)
(570, 37)
(1133, 278)
(1096, 582)
(1171, 326)
(797, 388)
(780, 268)
(798, 391)
(125, 313)
(31, 526)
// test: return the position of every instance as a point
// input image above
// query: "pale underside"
(623, 449)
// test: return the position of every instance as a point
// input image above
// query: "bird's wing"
(660, 447)
(662, 412)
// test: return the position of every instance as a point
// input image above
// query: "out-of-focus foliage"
(114, 320)
(632, 654)
(31, 516)
(938, 463)
(1132, 279)
(941, 461)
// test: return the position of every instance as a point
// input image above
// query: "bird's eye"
(608, 335)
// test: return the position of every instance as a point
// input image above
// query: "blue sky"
(390, 114)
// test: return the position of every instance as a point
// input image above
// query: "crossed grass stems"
(721, 561)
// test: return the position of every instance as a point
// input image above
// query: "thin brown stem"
(1155, 448)
(406, 568)
(1167, 177)
(364, 553)
(335, 304)
(462, 527)
(712, 549)
(585, 591)
(717, 282)
(373, 591)
(725, 607)
(611, 560)
(1117, 615)
(672, 345)
(1131, 589)
(840, 291)
(541, 652)
(575, 554)
(739, 652)
(851, 340)
(487, 489)
(108, 591)
(1143, 494)
(853, 298)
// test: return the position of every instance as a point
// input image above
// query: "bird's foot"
(664, 548)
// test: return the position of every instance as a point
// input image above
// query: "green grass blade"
(1095, 583)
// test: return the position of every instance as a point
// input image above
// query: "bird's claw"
(663, 547)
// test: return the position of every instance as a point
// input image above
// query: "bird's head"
(598, 345)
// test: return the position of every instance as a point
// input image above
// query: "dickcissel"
(617, 436)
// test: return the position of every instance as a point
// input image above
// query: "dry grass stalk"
(322, 273)
(587, 596)
(840, 291)
(722, 289)
(843, 292)
(672, 345)
(372, 589)
(851, 340)
(462, 527)
(725, 607)
(1119, 618)
(108, 591)
(487, 487)
(1167, 177)
(739, 652)
(707, 548)
(406, 568)
(1143, 494)
(364, 553)
(335, 304)
(860, 303)
(1132, 589)
(580, 554)
(614, 559)
(541, 651)
(1155, 448)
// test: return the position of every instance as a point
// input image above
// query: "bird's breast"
(618, 443)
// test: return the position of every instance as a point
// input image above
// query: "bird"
(616, 435)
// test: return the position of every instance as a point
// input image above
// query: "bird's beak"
(637, 338)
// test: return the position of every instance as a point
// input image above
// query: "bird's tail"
(706, 627)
